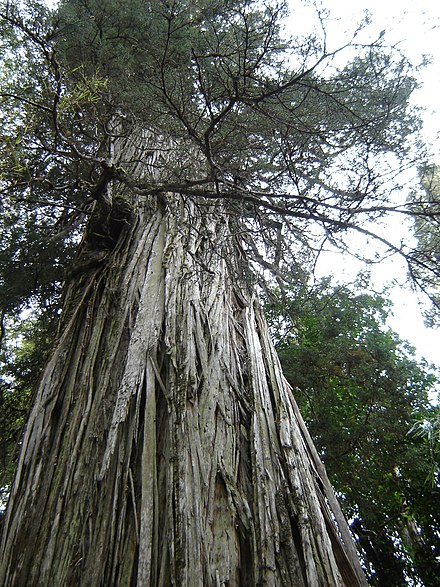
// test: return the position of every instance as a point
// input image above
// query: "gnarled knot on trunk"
(107, 222)
(105, 226)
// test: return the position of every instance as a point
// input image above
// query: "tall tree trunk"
(164, 446)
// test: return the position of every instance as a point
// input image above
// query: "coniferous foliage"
(293, 144)
(273, 124)
(361, 391)
(426, 207)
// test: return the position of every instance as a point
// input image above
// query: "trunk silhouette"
(164, 446)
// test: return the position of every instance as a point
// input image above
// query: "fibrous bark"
(164, 446)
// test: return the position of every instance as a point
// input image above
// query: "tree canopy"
(301, 148)
(361, 392)
(426, 229)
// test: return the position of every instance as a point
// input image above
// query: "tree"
(163, 441)
(22, 360)
(359, 389)
(426, 225)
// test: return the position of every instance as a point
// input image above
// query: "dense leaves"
(361, 390)
(273, 125)
(21, 364)
(426, 208)
(304, 142)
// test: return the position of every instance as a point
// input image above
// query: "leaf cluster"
(22, 358)
(209, 100)
(426, 206)
(361, 391)
(295, 143)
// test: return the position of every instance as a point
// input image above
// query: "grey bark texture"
(164, 446)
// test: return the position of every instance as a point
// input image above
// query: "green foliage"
(293, 143)
(219, 76)
(31, 261)
(361, 390)
(426, 218)
(428, 429)
(38, 219)
(21, 362)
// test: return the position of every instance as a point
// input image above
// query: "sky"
(414, 25)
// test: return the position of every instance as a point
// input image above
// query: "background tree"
(196, 144)
(22, 361)
(426, 205)
(360, 389)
